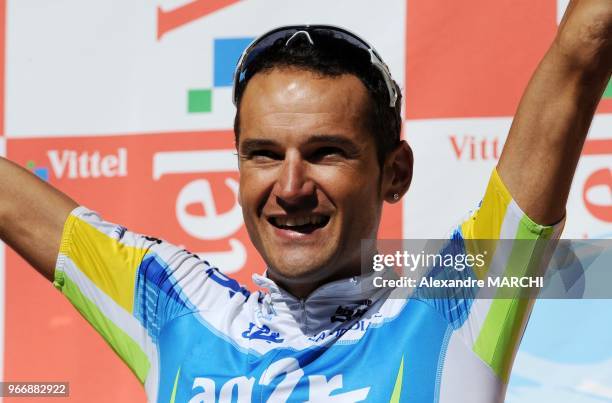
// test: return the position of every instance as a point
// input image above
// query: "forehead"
(286, 101)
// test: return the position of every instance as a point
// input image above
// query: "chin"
(299, 269)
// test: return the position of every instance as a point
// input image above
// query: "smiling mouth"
(302, 224)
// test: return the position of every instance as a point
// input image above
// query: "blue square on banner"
(42, 173)
(227, 52)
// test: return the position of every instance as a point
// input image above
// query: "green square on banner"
(608, 91)
(199, 101)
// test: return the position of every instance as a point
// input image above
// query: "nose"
(293, 185)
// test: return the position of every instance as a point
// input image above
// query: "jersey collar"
(351, 288)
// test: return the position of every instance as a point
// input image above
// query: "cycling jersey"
(191, 334)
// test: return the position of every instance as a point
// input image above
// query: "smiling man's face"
(309, 176)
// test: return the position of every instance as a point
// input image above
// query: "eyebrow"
(249, 145)
(337, 140)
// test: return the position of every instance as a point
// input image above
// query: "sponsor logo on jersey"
(346, 313)
(255, 332)
(321, 388)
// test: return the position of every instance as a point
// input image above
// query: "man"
(317, 133)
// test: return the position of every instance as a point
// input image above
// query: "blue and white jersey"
(191, 334)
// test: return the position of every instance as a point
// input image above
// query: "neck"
(302, 287)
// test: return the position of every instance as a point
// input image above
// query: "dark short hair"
(330, 56)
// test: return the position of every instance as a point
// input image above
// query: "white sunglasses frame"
(303, 29)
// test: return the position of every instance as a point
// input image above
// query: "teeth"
(297, 221)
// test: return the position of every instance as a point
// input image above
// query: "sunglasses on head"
(290, 33)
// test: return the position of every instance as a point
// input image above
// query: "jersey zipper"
(303, 315)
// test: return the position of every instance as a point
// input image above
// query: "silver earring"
(396, 196)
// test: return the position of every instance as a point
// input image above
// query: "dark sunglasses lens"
(270, 39)
(342, 35)
(316, 33)
(264, 43)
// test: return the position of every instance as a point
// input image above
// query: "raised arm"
(542, 150)
(32, 215)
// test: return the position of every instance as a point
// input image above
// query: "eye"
(327, 152)
(263, 155)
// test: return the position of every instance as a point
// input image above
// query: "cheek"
(354, 189)
(359, 185)
(245, 193)
(359, 195)
(254, 187)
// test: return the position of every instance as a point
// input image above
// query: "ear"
(397, 173)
